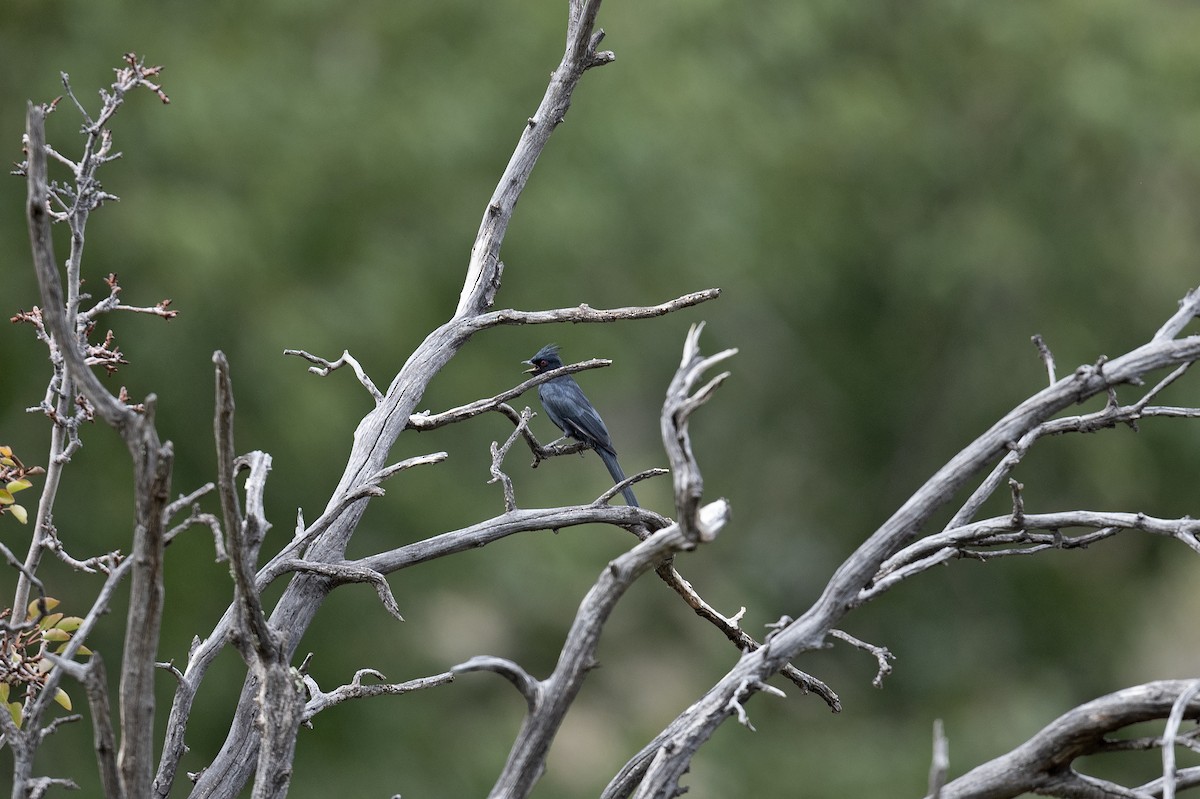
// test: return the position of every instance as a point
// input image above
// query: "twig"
(739, 637)
(617, 488)
(586, 313)
(324, 367)
(319, 700)
(883, 657)
(499, 453)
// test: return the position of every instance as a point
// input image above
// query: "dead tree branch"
(657, 769)
(1043, 764)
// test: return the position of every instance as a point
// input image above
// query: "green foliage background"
(893, 196)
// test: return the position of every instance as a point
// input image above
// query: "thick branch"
(1044, 761)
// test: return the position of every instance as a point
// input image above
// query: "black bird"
(570, 410)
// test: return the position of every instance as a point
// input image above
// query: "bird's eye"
(542, 362)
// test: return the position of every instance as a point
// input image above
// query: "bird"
(571, 412)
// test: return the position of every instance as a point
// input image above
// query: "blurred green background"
(893, 197)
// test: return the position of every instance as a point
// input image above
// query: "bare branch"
(426, 421)
(585, 313)
(1008, 530)
(319, 700)
(736, 707)
(1110, 416)
(1189, 309)
(1043, 763)
(677, 408)
(617, 488)
(530, 688)
(342, 573)
(186, 499)
(1185, 779)
(208, 520)
(1047, 357)
(526, 761)
(324, 367)
(152, 458)
(882, 656)
(226, 453)
(499, 453)
(95, 683)
(36, 788)
(739, 637)
(254, 637)
(1169, 737)
(517, 521)
(662, 763)
(485, 268)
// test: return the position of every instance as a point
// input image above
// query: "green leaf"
(49, 620)
(14, 710)
(4, 691)
(5, 497)
(61, 697)
(19, 513)
(69, 623)
(56, 635)
(35, 606)
(19, 484)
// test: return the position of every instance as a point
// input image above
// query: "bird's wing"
(564, 399)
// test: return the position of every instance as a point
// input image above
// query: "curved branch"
(342, 573)
(1044, 761)
(530, 688)
(324, 367)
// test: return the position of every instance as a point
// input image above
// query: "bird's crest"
(549, 351)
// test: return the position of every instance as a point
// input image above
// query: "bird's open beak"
(531, 368)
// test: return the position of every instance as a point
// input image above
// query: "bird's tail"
(614, 468)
